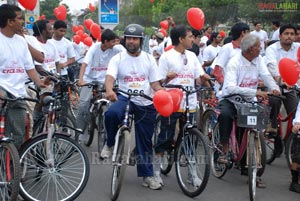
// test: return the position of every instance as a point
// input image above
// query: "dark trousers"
(144, 120)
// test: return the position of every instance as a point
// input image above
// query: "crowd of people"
(239, 63)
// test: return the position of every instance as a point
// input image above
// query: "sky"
(78, 4)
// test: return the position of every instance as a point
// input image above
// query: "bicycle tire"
(209, 121)
(263, 155)
(168, 155)
(218, 169)
(65, 181)
(288, 149)
(10, 171)
(119, 166)
(270, 148)
(252, 165)
(185, 157)
(90, 129)
(100, 128)
(74, 100)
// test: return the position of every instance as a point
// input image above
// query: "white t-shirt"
(97, 62)
(65, 50)
(15, 60)
(80, 49)
(210, 52)
(241, 76)
(173, 61)
(152, 44)
(135, 74)
(263, 36)
(275, 35)
(51, 56)
(275, 52)
(33, 42)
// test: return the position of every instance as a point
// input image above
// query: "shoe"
(151, 183)
(295, 187)
(260, 183)
(223, 159)
(193, 178)
(106, 152)
(158, 178)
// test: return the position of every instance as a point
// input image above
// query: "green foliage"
(47, 7)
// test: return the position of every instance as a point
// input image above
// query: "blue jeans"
(144, 120)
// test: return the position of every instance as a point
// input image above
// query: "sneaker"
(158, 178)
(193, 178)
(295, 187)
(106, 152)
(151, 183)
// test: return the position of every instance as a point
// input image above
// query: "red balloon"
(164, 32)
(298, 55)
(79, 32)
(88, 23)
(88, 41)
(84, 36)
(95, 30)
(28, 4)
(42, 17)
(196, 18)
(169, 48)
(81, 27)
(176, 95)
(60, 12)
(288, 70)
(76, 39)
(151, 1)
(163, 103)
(75, 28)
(164, 24)
(91, 7)
(222, 33)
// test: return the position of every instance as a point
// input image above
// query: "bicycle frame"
(284, 133)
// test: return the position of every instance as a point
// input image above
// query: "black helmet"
(134, 30)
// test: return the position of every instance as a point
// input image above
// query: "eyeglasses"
(185, 61)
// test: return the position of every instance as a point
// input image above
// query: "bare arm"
(35, 78)
(81, 74)
(109, 83)
(36, 55)
(156, 86)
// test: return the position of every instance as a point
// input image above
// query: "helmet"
(134, 30)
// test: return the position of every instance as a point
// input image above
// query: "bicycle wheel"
(216, 149)
(192, 162)
(74, 100)
(9, 171)
(289, 149)
(63, 181)
(263, 155)
(100, 128)
(119, 165)
(90, 131)
(252, 151)
(66, 125)
(270, 147)
(209, 121)
(168, 155)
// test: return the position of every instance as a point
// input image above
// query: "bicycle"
(98, 105)
(53, 165)
(10, 161)
(282, 140)
(189, 150)
(253, 116)
(122, 151)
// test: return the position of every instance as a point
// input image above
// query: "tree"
(47, 7)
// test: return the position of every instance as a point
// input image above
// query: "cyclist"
(94, 68)
(64, 47)
(178, 66)
(16, 61)
(135, 70)
(241, 77)
(285, 47)
(295, 166)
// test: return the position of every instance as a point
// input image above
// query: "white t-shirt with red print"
(135, 74)
(15, 59)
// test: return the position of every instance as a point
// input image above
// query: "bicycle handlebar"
(244, 98)
(134, 94)
(188, 90)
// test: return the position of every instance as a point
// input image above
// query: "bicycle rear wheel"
(119, 165)
(289, 149)
(253, 157)
(209, 122)
(65, 180)
(192, 162)
(100, 127)
(216, 150)
(270, 147)
(9, 171)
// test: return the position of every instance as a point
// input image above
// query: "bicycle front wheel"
(100, 127)
(65, 180)
(119, 165)
(192, 162)
(9, 171)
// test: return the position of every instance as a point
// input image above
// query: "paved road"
(232, 187)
